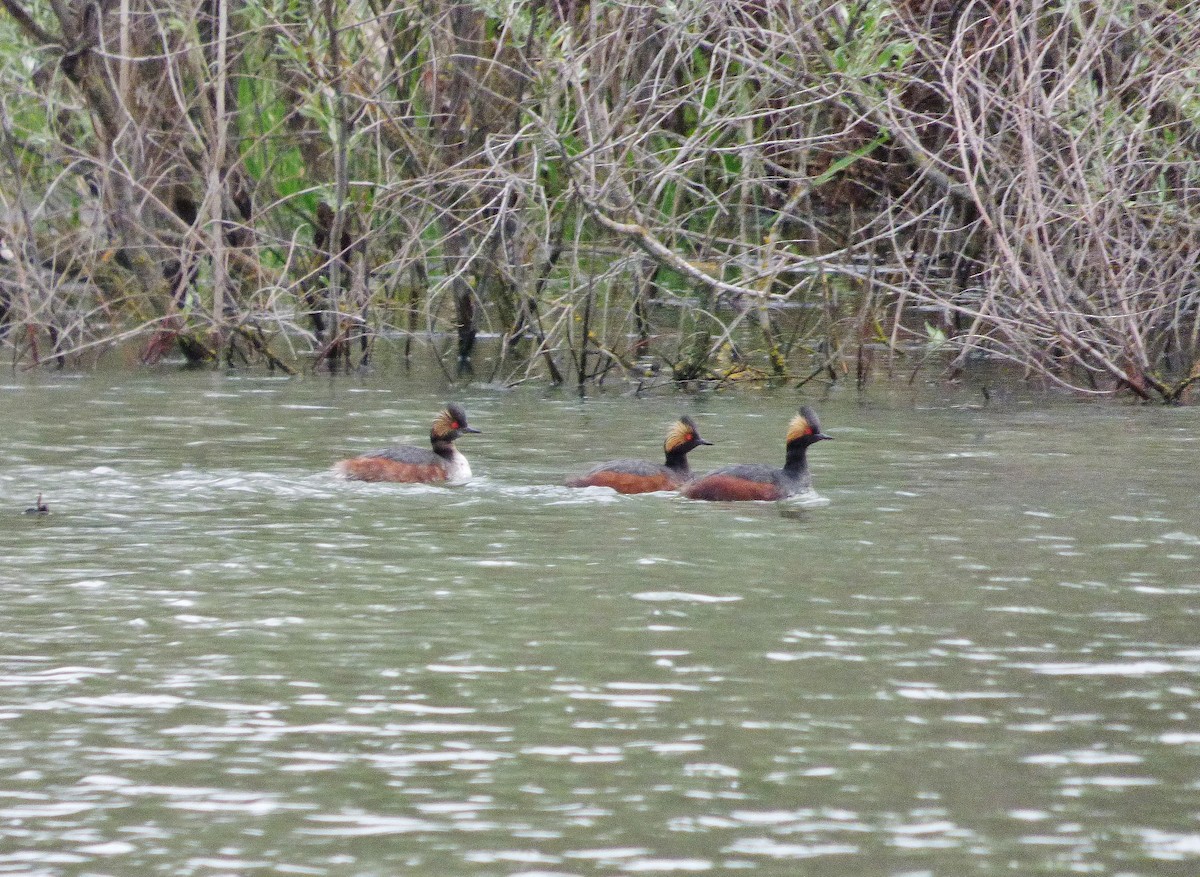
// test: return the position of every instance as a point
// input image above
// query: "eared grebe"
(38, 508)
(759, 481)
(417, 465)
(642, 476)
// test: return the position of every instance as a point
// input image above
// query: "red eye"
(455, 425)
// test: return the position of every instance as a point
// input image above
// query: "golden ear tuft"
(799, 428)
(680, 434)
(444, 423)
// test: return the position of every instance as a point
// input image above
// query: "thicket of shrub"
(698, 190)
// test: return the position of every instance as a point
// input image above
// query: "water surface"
(980, 655)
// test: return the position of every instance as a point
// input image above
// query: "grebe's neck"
(458, 470)
(797, 459)
(444, 447)
(677, 461)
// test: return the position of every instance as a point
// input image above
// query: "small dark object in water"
(39, 508)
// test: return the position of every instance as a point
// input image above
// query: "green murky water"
(982, 655)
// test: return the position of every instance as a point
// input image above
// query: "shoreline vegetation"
(702, 191)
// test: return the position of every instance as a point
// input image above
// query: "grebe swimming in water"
(409, 464)
(758, 481)
(642, 476)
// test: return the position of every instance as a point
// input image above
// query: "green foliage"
(510, 19)
(869, 47)
(269, 156)
(840, 164)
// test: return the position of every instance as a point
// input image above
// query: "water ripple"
(975, 651)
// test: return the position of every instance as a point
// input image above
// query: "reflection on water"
(978, 654)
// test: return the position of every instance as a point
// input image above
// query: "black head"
(683, 437)
(805, 428)
(450, 424)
